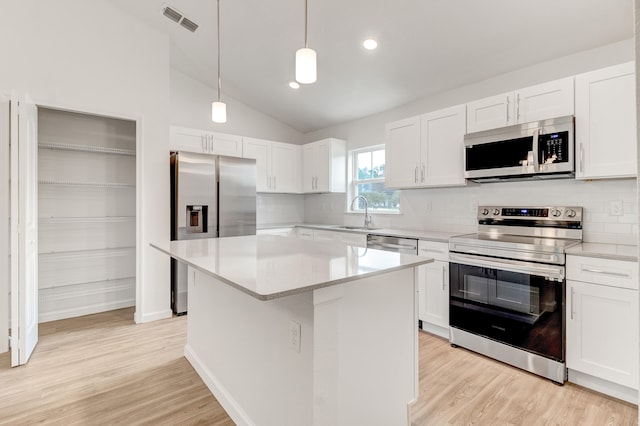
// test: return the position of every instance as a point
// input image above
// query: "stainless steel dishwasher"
(394, 244)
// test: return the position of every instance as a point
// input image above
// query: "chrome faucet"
(367, 216)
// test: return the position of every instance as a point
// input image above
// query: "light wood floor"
(103, 369)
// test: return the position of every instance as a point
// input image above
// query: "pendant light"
(219, 109)
(306, 58)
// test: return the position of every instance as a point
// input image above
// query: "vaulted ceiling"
(425, 47)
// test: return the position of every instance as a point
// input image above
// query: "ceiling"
(425, 47)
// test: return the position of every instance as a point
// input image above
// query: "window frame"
(354, 181)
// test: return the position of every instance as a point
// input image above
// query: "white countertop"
(438, 236)
(268, 267)
(605, 251)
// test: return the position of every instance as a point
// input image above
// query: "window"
(368, 180)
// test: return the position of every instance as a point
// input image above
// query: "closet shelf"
(95, 253)
(105, 219)
(85, 184)
(86, 148)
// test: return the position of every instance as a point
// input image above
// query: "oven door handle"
(547, 271)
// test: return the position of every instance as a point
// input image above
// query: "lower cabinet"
(602, 334)
(356, 239)
(433, 287)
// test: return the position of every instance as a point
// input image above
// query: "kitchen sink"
(355, 228)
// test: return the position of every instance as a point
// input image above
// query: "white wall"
(453, 209)
(90, 56)
(191, 107)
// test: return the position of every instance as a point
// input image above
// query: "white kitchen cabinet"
(324, 166)
(357, 239)
(602, 326)
(433, 288)
(442, 146)
(279, 232)
(305, 233)
(202, 141)
(402, 152)
(277, 163)
(539, 102)
(426, 150)
(606, 123)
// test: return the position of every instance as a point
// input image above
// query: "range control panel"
(525, 214)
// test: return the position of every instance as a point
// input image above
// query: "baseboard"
(153, 316)
(230, 405)
(603, 386)
(436, 329)
(84, 310)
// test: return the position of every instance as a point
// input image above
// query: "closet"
(87, 214)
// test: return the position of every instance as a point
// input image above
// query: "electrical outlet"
(294, 336)
(615, 208)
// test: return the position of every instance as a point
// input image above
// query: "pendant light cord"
(306, 14)
(218, 16)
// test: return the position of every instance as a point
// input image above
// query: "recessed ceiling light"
(370, 44)
(294, 85)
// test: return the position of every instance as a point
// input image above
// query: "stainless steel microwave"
(537, 150)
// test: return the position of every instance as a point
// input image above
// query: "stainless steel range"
(507, 286)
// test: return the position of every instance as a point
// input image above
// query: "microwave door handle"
(536, 163)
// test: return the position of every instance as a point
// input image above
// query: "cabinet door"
(442, 134)
(402, 151)
(606, 123)
(433, 306)
(285, 167)
(186, 139)
(323, 166)
(308, 168)
(602, 332)
(547, 100)
(224, 144)
(491, 113)
(259, 150)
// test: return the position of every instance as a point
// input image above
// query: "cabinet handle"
(508, 109)
(274, 183)
(443, 278)
(581, 158)
(600, 271)
(571, 307)
(415, 175)
(518, 108)
(315, 182)
(422, 173)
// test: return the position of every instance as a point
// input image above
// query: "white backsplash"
(455, 209)
(275, 209)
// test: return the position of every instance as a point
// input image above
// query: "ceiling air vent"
(176, 16)
(188, 24)
(172, 14)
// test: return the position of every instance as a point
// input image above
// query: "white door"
(285, 167)
(24, 229)
(259, 150)
(491, 113)
(323, 166)
(5, 241)
(546, 100)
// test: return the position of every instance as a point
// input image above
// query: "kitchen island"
(295, 332)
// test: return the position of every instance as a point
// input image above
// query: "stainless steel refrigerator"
(211, 196)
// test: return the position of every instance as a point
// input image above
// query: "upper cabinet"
(606, 123)
(426, 150)
(278, 165)
(324, 166)
(547, 100)
(195, 140)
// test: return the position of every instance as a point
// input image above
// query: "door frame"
(5, 236)
(139, 120)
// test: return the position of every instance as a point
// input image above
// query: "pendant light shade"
(219, 112)
(306, 66)
(218, 109)
(306, 58)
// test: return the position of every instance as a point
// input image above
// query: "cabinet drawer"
(436, 250)
(615, 273)
(353, 239)
(320, 235)
(304, 233)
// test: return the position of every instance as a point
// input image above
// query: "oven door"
(517, 303)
